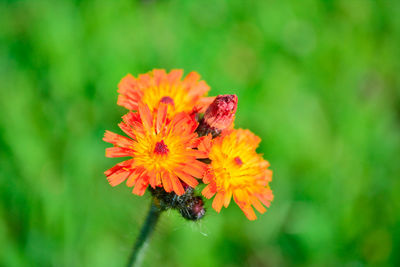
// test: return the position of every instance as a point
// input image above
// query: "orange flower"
(158, 86)
(237, 170)
(162, 151)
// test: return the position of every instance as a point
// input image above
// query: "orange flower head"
(158, 86)
(237, 170)
(162, 150)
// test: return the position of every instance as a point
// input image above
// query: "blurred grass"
(317, 80)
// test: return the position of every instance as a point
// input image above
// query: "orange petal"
(200, 89)
(166, 181)
(123, 164)
(188, 179)
(159, 75)
(132, 119)
(127, 102)
(241, 196)
(218, 201)
(257, 205)
(127, 129)
(249, 212)
(134, 176)
(227, 198)
(198, 154)
(128, 92)
(118, 177)
(145, 80)
(152, 179)
(116, 152)
(208, 191)
(161, 116)
(176, 185)
(140, 186)
(126, 83)
(174, 76)
(158, 179)
(117, 139)
(205, 144)
(196, 169)
(191, 79)
(266, 198)
(145, 115)
(208, 175)
(181, 123)
(204, 102)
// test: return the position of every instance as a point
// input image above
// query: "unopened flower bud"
(219, 115)
(194, 209)
(190, 206)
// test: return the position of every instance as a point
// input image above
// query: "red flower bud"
(219, 115)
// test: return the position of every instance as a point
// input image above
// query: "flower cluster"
(178, 138)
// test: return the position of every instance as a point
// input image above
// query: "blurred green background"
(319, 81)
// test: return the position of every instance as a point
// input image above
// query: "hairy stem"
(145, 233)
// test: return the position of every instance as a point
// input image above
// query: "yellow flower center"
(167, 100)
(236, 164)
(165, 93)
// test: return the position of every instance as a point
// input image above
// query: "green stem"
(145, 233)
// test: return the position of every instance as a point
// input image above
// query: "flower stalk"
(145, 233)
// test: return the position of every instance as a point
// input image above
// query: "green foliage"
(317, 80)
